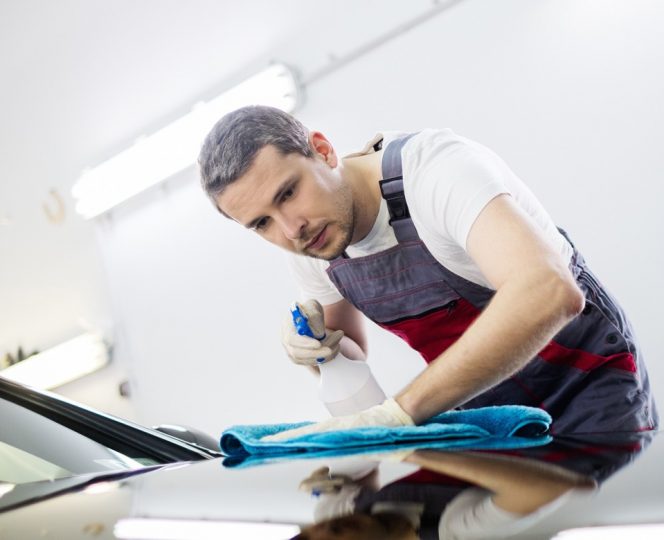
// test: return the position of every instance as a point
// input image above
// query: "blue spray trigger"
(301, 323)
(302, 327)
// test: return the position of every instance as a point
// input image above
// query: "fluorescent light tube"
(652, 531)
(179, 529)
(175, 147)
(60, 364)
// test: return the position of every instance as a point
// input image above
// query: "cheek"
(277, 238)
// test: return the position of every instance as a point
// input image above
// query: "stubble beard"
(344, 237)
(345, 228)
(345, 223)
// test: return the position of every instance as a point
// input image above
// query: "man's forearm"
(518, 485)
(519, 321)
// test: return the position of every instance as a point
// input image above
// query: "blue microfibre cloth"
(505, 426)
(450, 445)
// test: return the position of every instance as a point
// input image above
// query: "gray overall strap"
(391, 187)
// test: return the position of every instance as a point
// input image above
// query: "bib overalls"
(590, 377)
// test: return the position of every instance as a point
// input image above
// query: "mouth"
(317, 241)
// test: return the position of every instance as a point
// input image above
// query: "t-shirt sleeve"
(472, 514)
(312, 280)
(450, 181)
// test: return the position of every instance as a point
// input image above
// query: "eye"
(261, 224)
(287, 194)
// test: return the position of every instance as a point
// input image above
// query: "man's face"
(300, 204)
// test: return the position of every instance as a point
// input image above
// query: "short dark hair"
(231, 146)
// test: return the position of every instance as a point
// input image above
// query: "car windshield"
(34, 448)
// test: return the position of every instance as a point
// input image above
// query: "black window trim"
(115, 433)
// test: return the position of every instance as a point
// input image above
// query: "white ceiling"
(82, 79)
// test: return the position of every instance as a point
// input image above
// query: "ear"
(322, 148)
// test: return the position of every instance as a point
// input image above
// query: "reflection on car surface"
(69, 472)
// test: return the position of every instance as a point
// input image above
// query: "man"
(452, 495)
(434, 238)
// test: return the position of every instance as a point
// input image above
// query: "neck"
(363, 173)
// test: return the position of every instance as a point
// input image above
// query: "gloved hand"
(305, 350)
(336, 504)
(337, 492)
(326, 480)
(389, 413)
(321, 481)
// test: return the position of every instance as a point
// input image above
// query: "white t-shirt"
(473, 515)
(448, 180)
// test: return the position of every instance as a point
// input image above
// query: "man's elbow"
(575, 301)
(569, 298)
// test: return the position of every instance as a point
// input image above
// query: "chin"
(321, 255)
(328, 254)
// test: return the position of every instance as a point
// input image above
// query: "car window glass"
(42, 449)
(20, 467)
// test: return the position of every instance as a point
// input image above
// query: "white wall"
(567, 91)
(52, 285)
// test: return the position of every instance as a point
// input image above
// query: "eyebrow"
(285, 185)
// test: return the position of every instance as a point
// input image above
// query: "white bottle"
(346, 386)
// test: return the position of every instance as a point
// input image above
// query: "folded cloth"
(505, 426)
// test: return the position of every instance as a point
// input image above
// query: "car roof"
(213, 492)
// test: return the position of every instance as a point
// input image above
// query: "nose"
(292, 225)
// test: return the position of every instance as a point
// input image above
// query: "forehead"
(257, 186)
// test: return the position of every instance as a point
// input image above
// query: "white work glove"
(305, 350)
(322, 481)
(326, 480)
(336, 504)
(389, 413)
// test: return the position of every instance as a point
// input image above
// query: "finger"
(325, 353)
(309, 362)
(289, 334)
(313, 311)
(332, 485)
(311, 308)
(304, 342)
(333, 338)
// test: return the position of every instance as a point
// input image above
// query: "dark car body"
(114, 479)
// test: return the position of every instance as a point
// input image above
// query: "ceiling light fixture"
(175, 147)
(644, 531)
(175, 529)
(60, 364)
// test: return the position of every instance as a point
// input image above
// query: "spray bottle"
(346, 386)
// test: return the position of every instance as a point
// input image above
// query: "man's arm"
(536, 295)
(345, 316)
(519, 485)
